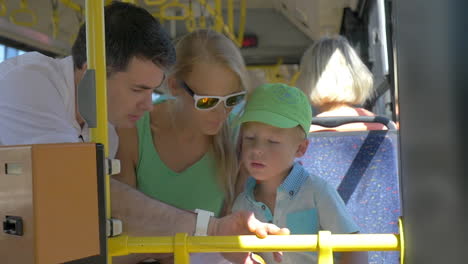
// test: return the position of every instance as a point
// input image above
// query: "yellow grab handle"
(154, 2)
(3, 8)
(27, 11)
(175, 4)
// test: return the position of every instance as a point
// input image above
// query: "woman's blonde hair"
(209, 46)
(332, 73)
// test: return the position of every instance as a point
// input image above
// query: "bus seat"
(363, 166)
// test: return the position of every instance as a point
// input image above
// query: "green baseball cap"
(278, 105)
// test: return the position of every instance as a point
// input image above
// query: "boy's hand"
(244, 223)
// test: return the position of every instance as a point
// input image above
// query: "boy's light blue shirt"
(305, 204)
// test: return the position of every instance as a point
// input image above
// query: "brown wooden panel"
(66, 203)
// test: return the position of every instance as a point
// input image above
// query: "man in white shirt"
(38, 104)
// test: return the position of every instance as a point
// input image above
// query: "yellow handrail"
(190, 23)
(242, 21)
(273, 73)
(79, 16)
(3, 8)
(294, 78)
(174, 4)
(219, 13)
(71, 4)
(55, 18)
(325, 243)
(154, 2)
(24, 9)
(230, 13)
(96, 60)
(225, 28)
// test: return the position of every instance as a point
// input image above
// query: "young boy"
(274, 130)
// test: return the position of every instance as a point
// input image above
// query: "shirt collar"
(249, 188)
(294, 180)
(291, 185)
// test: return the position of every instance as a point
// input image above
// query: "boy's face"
(268, 152)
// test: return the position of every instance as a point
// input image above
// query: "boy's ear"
(302, 148)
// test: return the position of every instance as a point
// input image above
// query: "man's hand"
(244, 223)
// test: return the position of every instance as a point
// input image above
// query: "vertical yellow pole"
(181, 255)
(242, 18)
(325, 244)
(231, 15)
(96, 60)
(219, 21)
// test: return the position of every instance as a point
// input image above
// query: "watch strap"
(203, 219)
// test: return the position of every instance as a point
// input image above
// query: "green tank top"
(195, 187)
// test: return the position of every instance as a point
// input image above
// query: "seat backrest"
(363, 166)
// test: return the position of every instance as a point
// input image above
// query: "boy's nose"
(257, 150)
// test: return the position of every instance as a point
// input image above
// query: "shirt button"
(263, 207)
(291, 193)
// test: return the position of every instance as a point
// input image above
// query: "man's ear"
(302, 148)
(79, 73)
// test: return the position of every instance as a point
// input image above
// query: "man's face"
(129, 93)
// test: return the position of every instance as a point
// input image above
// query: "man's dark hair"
(130, 32)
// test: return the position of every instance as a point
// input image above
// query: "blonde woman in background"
(183, 152)
(337, 82)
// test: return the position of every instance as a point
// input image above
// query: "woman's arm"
(128, 156)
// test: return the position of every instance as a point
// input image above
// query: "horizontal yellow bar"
(124, 245)
(72, 5)
(268, 67)
(366, 242)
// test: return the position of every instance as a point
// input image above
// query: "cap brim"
(268, 118)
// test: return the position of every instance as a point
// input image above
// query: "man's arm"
(354, 258)
(145, 216)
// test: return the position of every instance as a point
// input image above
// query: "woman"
(183, 151)
(337, 81)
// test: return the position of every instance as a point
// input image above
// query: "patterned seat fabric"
(363, 166)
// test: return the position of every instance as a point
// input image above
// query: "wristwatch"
(203, 218)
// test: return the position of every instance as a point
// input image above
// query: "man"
(38, 105)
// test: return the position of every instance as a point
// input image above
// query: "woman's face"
(207, 79)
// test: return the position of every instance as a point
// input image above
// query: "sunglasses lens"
(235, 100)
(207, 103)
